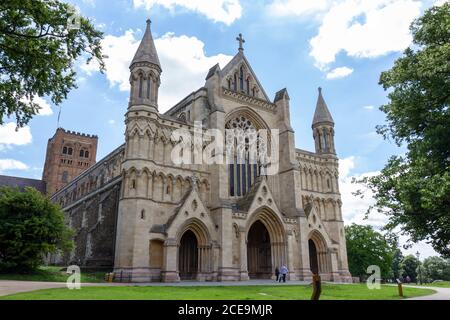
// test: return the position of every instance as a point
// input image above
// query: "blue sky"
(342, 46)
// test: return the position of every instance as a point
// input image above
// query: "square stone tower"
(68, 154)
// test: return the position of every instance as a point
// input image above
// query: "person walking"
(284, 270)
(277, 274)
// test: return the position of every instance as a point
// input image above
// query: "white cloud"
(368, 107)
(9, 136)
(354, 208)
(297, 8)
(11, 164)
(111, 122)
(364, 29)
(182, 58)
(340, 72)
(45, 108)
(226, 11)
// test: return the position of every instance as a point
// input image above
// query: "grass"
(438, 284)
(277, 292)
(52, 274)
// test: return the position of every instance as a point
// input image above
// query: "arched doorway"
(188, 256)
(313, 261)
(259, 256)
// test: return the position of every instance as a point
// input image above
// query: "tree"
(366, 247)
(413, 190)
(31, 226)
(396, 263)
(37, 54)
(409, 267)
(437, 268)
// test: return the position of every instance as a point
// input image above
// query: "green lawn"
(276, 292)
(52, 274)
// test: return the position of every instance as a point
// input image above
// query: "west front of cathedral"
(148, 219)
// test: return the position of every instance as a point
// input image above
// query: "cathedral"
(148, 218)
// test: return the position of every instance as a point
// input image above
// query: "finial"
(148, 21)
(241, 42)
(320, 90)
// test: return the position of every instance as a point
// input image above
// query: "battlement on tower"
(80, 134)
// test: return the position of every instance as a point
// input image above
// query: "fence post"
(317, 287)
(400, 288)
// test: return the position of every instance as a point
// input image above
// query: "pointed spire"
(147, 50)
(322, 113)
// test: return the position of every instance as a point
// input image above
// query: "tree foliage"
(30, 227)
(37, 54)
(366, 247)
(409, 267)
(436, 268)
(413, 190)
(396, 264)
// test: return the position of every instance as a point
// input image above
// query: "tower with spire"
(145, 74)
(323, 127)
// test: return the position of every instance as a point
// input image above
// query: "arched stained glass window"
(243, 169)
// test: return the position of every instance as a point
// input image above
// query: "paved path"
(8, 287)
(441, 293)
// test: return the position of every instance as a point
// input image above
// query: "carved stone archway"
(266, 244)
(319, 255)
(194, 251)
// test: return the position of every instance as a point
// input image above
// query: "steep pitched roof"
(322, 114)
(237, 59)
(281, 95)
(147, 50)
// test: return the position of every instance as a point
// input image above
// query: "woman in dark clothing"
(277, 274)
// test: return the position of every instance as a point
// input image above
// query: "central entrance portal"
(313, 261)
(188, 256)
(259, 252)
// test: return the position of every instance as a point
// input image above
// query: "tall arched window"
(241, 78)
(325, 139)
(235, 82)
(81, 153)
(140, 85)
(248, 86)
(86, 154)
(243, 169)
(64, 150)
(149, 82)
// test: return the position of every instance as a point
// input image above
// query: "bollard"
(400, 288)
(317, 287)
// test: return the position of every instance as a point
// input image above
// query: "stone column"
(304, 270)
(169, 271)
(243, 250)
(290, 256)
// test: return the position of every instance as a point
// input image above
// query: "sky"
(339, 45)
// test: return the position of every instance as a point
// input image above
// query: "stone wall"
(90, 204)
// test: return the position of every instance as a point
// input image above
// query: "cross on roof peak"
(241, 42)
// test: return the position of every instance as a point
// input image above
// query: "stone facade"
(68, 154)
(224, 222)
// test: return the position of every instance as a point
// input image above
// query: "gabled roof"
(147, 50)
(281, 95)
(322, 114)
(238, 58)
